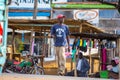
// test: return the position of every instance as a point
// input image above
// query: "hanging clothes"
(104, 59)
(94, 43)
(74, 45)
(88, 43)
(83, 45)
(78, 42)
(81, 42)
(91, 44)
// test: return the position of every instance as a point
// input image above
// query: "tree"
(109, 3)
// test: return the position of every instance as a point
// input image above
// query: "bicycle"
(25, 67)
(36, 69)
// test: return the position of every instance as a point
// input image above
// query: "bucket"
(104, 74)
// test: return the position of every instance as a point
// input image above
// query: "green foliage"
(19, 45)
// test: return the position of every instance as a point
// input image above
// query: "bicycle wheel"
(38, 71)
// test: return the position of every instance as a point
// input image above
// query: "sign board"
(1, 15)
(2, 0)
(1, 33)
(59, 1)
(91, 16)
(2, 6)
(30, 3)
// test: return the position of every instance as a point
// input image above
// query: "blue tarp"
(13, 14)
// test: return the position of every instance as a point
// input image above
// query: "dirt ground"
(6, 76)
(50, 67)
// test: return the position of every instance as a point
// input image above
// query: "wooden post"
(119, 53)
(44, 44)
(35, 9)
(49, 47)
(32, 43)
(90, 58)
(92, 66)
(13, 40)
(33, 33)
(99, 54)
(80, 29)
(71, 64)
(51, 16)
(117, 48)
(75, 72)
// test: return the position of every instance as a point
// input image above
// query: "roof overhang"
(100, 36)
(45, 25)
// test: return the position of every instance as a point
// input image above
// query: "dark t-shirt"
(60, 32)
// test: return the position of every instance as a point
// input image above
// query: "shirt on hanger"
(79, 64)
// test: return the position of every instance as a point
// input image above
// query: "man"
(82, 67)
(114, 71)
(60, 33)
